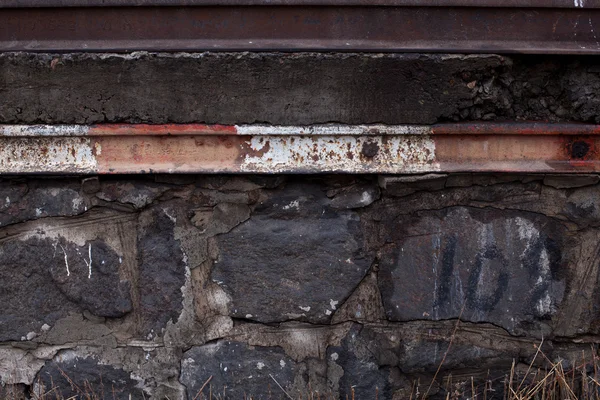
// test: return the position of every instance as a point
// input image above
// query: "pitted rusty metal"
(399, 149)
(461, 26)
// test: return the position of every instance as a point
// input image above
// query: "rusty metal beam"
(337, 3)
(301, 27)
(194, 148)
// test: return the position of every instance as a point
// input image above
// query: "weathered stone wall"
(267, 285)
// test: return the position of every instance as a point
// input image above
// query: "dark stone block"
(362, 375)
(503, 267)
(356, 196)
(295, 258)
(38, 199)
(237, 371)
(162, 271)
(70, 376)
(45, 279)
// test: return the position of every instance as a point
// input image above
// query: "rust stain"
(200, 148)
(299, 26)
(160, 130)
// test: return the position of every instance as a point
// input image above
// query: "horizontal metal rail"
(400, 149)
(337, 3)
(567, 28)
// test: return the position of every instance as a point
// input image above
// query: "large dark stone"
(71, 376)
(237, 371)
(362, 376)
(162, 271)
(503, 267)
(45, 279)
(295, 258)
(21, 201)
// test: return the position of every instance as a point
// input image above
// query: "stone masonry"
(283, 286)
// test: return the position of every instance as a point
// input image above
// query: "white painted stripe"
(24, 155)
(333, 129)
(251, 130)
(399, 154)
(44, 130)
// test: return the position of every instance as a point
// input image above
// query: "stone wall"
(282, 286)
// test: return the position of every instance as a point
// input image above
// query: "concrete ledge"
(295, 89)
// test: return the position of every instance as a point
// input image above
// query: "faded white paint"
(47, 155)
(251, 130)
(333, 129)
(316, 148)
(333, 304)
(43, 130)
(66, 260)
(396, 154)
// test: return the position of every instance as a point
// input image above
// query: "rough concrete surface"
(281, 286)
(301, 88)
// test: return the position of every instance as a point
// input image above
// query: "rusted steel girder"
(105, 149)
(388, 26)
(337, 3)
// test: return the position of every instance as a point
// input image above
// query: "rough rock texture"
(281, 286)
(503, 267)
(162, 270)
(326, 252)
(101, 380)
(302, 88)
(44, 280)
(237, 371)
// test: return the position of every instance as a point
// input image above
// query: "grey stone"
(221, 218)
(363, 305)
(39, 199)
(44, 279)
(459, 180)
(570, 181)
(362, 375)
(162, 270)
(71, 376)
(138, 194)
(296, 258)
(238, 371)
(404, 185)
(90, 185)
(385, 180)
(503, 267)
(356, 196)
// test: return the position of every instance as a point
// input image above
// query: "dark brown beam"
(303, 28)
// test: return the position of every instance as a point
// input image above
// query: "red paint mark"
(515, 128)
(160, 130)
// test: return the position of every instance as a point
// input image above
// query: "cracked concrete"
(275, 285)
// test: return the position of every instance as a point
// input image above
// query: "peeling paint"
(47, 155)
(339, 153)
(332, 129)
(393, 149)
